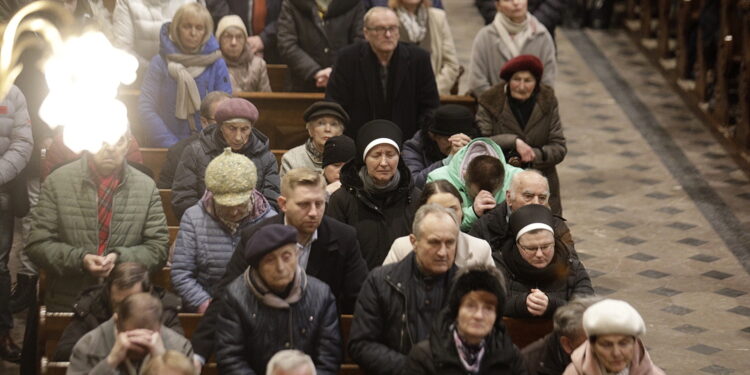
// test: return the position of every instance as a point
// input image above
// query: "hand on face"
(458, 141)
(536, 302)
(483, 202)
(134, 343)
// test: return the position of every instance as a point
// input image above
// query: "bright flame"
(83, 77)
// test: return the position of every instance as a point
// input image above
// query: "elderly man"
(526, 187)
(92, 214)
(329, 250)
(97, 304)
(290, 362)
(383, 78)
(385, 325)
(122, 344)
(275, 305)
(550, 355)
(235, 118)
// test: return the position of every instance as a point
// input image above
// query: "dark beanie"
(521, 63)
(530, 217)
(338, 149)
(266, 240)
(477, 277)
(233, 108)
(450, 119)
(323, 108)
(378, 132)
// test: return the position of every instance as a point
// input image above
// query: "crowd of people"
(427, 222)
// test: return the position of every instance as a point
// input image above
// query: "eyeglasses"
(546, 248)
(381, 30)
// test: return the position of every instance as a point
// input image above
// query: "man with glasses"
(383, 78)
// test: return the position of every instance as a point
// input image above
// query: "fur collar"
(493, 100)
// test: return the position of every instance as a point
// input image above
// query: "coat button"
(311, 318)
(325, 50)
(304, 330)
(287, 345)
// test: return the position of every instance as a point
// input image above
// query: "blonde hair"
(171, 359)
(191, 9)
(300, 176)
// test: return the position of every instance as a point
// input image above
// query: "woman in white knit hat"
(614, 329)
(247, 71)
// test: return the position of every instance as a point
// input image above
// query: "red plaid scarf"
(106, 187)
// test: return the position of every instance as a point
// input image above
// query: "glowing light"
(83, 76)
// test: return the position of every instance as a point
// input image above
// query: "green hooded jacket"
(453, 173)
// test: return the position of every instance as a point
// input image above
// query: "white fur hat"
(613, 317)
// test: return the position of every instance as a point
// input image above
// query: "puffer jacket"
(136, 25)
(308, 43)
(419, 162)
(584, 362)
(16, 142)
(66, 229)
(93, 309)
(157, 102)
(203, 248)
(438, 354)
(188, 185)
(383, 330)
(453, 173)
(249, 333)
(543, 132)
(379, 220)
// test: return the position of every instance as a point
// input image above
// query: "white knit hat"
(231, 20)
(613, 317)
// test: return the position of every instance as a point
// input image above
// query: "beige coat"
(543, 132)
(252, 78)
(442, 51)
(469, 251)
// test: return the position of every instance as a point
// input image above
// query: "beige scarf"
(513, 35)
(259, 289)
(184, 68)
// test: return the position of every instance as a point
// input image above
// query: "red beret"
(236, 108)
(521, 63)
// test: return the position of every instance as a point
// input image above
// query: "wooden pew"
(728, 58)
(664, 30)
(687, 16)
(172, 235)
(743, 124)
(166, 203)
(154, 159)
(277, 75)
(525, 331)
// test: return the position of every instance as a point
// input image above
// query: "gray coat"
(16, 142)
(189, 185)
(90, 353)
(489, 54)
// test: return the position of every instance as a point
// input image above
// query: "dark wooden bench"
(277, 74)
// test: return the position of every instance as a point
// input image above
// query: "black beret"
(268, 239)
(322, 108)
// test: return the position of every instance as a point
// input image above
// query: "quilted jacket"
(15, 135)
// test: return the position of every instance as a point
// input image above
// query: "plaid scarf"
(106, 187)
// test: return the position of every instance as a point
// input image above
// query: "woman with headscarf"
(376, 196)
(189, 65)
(521, 115)
(247, 70)
(469, 336)
(427, 27)
(513, 32)
(540, 273)
(614, 347)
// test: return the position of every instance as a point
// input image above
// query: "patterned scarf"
(415, 24)
(470, 355)
(259, 289)
(105, 192)
(315, 155)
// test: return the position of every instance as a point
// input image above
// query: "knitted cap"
(529, 218)
(231, 178)
(529, 63)
(236, 108)
(613, 317)
(324, 108)
(339, 149)
(378, 132)
(267, 239)
(450, 119)
(231, 20)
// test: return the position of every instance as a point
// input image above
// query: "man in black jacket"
(329, 250)
(399, 301)
(383, 78)
(97, 304)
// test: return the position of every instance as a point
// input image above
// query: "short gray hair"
(430, 209)
(374, 10)
(516, 180)
(287, 360)
(568, 319)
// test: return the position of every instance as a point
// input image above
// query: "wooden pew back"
(166, 203)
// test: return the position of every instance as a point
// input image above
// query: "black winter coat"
(379, 220)
(189, 185)
(549, 12)
(174, 153)
(383, 332)
(355, 85)
(249, 333)
(546, 356)
(334, 259)
(221, 8)
(438, 354)
(308, 44)
(92, 309)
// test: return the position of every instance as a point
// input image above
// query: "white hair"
(287, 360)
(515, 182)
(427, 210)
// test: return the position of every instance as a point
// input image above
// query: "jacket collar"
(399, 275)
(213, 143)
(89, 176)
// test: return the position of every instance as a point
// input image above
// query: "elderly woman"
(540, 272)
(428, 28)
(614, 329)
(210, 230)
(323, 121)
(188, 66)
(469, 337)
(377, 196)
(449, 129)
(247, 71)
(513, 32)
(469, 249)
(338, 151)
(521, 115)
